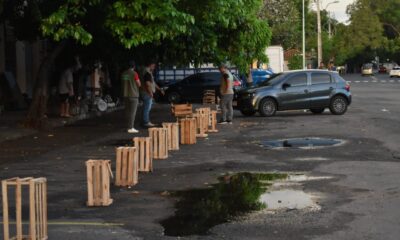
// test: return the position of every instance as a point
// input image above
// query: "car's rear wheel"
(267, 107)
(338, 105)
(317, 110)
(248, 113)
(174, 97)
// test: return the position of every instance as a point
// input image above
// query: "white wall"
(275, 56)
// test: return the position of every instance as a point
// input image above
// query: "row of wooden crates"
(139, 158)
(129, 162)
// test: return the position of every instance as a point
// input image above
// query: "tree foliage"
(285, 20)
(185, 31)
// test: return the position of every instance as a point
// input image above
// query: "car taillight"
(347, 87)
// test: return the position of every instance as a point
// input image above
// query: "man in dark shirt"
(148, 89)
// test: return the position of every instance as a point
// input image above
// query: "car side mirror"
(285, 85)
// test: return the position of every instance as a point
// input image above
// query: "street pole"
(329, 26)
(304, 38)
(319, 44)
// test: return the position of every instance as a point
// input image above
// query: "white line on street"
(383, 81)
(357, 81)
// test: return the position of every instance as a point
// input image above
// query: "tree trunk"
(36, 117)
(250, 77)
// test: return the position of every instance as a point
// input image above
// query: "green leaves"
(139, 22)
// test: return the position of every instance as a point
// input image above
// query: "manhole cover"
(301, 143)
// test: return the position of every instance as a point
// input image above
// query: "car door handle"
(306, 91)
(331, 88)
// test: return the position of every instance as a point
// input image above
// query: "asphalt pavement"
(356, 183)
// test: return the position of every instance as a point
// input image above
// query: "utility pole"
(319, 31)
(329, 26)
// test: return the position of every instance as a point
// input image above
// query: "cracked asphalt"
(359, 201)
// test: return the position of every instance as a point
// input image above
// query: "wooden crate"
(209, 97)
(159, 142)
(182, 110)
(213, 120)
(201, 124)
(173, 135)
(98, 182)
(37, 188)
(126, 167)
(187, 130)
(207, 112)
(144, 153)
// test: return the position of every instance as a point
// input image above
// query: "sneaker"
(222, 122)
(132, 130)
(230, 122)
(148, 125)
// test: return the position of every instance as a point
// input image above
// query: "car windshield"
(396, 68)
(272, 80)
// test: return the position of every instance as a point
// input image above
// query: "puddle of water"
(288, 199)
(303, 178)
(301, 143)
(198, 210)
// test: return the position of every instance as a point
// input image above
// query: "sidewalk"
(11, 123)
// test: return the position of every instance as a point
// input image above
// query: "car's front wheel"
(267, 107)
(317, 110)
(174, 97)
(338, 105)
(248, 113)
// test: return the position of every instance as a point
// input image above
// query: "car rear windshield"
(396, 68)
(272, 80)
(339, 79)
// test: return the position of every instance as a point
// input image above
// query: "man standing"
(148, 89)
(66, 87)
(226, 91)
(131, 85)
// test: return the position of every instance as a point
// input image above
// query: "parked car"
(367, 69)
(395, 72)
(292, 90)
(260, 75)
(382, 69)
(191, 88)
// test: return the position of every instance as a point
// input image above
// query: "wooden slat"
(37, 210)
(6, 227)
(89, 174)
(125, 152)
(129, 169)
(18, 208)
(105, 178)
(118, 166)
(32, 212)
(44, 192)
(97, 184)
